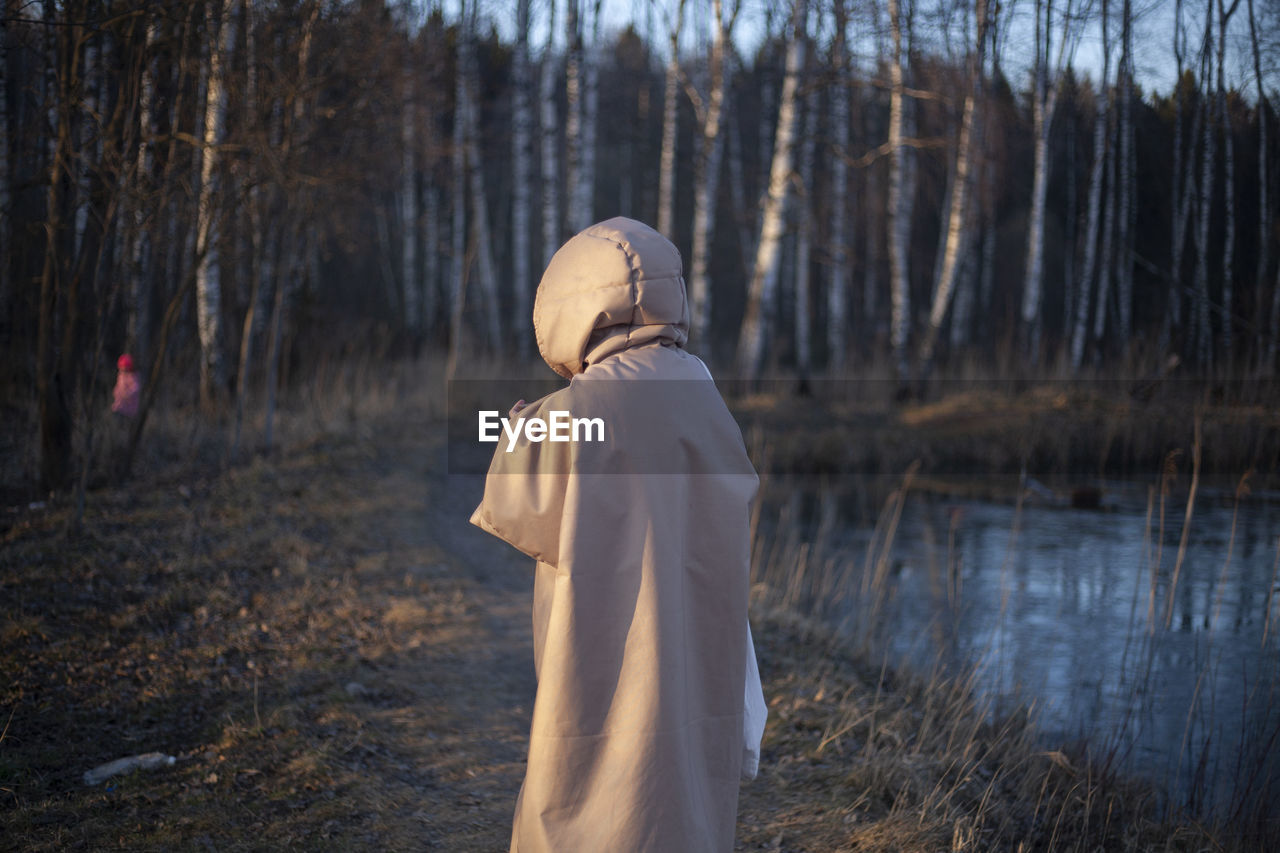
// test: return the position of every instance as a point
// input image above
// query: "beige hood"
(615, 285)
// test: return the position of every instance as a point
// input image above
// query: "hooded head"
(615, 285)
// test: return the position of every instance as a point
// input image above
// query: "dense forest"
(226, 189)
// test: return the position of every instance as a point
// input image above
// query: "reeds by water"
(904, 715)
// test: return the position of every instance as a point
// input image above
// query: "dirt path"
(336, 659)
(469, 676)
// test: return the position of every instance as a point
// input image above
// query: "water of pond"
(1062, 606)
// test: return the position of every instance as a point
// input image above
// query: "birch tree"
(707, 168)
(1044, 104)
(522, 178)
(1084, 287)
(582, 190)
(469, 176)
(1203, 336)
(208, 263)
(670, 114)
(1183, 182)
(957, 234)
(901, 195)
(838, 271)
(550, 143)
(458, 202)
(1106, 271)
(966, 284)
(1128, 185)
(573, 104)
(764, 276)
(139, 331)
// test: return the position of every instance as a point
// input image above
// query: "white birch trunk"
(138, 293)
(1203, 336)
(670, 113)
(458, 208)
(573, 106)
(764, 136)
(707, 179)
(1106, 268)
(764, 275)
(209, 269)
(1084, 287)
(1035, 226)
(1180, 191)
(1044, 106)
(522, 178)
(582, 211)
(957, 239)
(469, 176)
(1128, 189)
(962, 309)
(900, 202)
(838, 280)
(550, 148)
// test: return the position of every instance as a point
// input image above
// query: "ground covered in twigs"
(337, 661)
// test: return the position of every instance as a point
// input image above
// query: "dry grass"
(974, 430)
(860, 757)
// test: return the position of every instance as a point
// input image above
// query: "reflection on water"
(1068, 608)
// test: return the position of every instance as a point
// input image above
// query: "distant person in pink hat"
(124, 399)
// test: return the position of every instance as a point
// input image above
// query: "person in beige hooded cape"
(641, 540)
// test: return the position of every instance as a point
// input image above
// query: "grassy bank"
(860, 757)
(1066, 433)
(304, 634)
